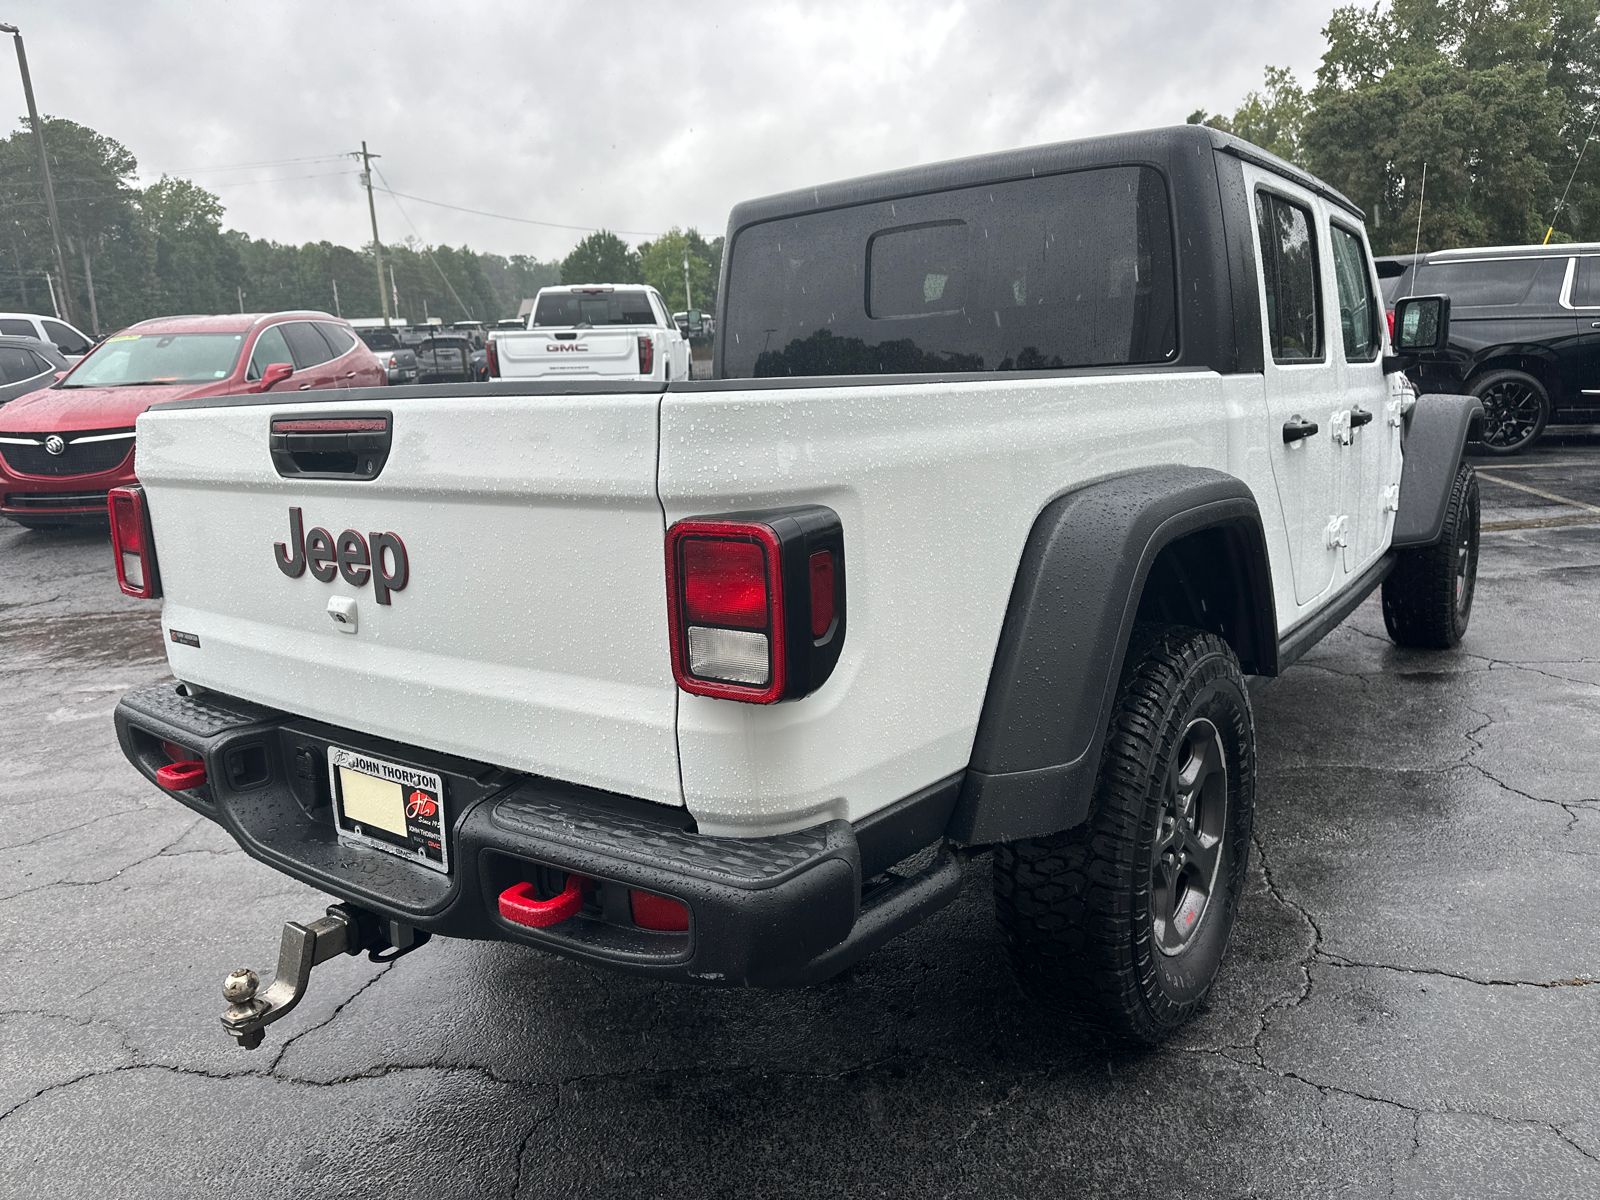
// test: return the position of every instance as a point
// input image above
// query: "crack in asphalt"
(329, 1020)
(1263, 1018)
(1334, 960)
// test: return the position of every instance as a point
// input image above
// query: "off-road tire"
(1427, 598)
(1079, 911)
(1516, 408)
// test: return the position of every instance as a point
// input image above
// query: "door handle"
(1594, 324)
(349, 374)
(1359, 417)
(305, 387)
(1294, 430)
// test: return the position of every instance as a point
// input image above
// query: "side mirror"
(696, 320)
(60, 375)
(274, 374)
(1421, 326)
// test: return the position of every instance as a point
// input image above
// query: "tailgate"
(611, 352)
(532, 630)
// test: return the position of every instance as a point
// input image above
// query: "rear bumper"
(769, 912)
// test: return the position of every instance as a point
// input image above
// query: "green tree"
(601, 257)
(192, 266)
(1496, 97)
(662, 263)
(1273, 118)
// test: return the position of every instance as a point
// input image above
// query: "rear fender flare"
(1076, 597)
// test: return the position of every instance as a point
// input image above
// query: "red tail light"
(494, 359)
(647, 355)
(756, 603)
(132, 544)
(1391, 326)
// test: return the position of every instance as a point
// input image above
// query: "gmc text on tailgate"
(1015, 475)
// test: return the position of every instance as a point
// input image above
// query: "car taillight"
(647, 355)
(391, 361)
(494, 360)
(131, 541)
(755, 603)
(1391, 326)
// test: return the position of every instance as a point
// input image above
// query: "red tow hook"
(181, 776)
(518, 906)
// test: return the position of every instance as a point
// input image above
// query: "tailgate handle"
(518, 906)
(331, 445)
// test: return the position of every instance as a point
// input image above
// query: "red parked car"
(63, 448)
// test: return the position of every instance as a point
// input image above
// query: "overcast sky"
(631, 116)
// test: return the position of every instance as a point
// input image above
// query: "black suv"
(1524, 333)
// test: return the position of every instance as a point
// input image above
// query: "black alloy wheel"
(1516, 408)
(1186, 852)
(1120, 924)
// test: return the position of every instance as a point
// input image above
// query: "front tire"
(1516, 408)
(1121, 923)
(1427, 598)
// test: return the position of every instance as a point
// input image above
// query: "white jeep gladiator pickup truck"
(1012, 474)
(610, 331)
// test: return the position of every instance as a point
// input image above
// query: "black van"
(1524, 333)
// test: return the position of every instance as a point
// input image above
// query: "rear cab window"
(564, 310)
(1068, 270)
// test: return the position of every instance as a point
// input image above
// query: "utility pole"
(44, 166)
(688, 301)
(88, 279)
(372, 211)
(336, 309)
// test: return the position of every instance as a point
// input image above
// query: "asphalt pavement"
(1409, 1007)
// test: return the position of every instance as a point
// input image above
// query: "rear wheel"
(1121, 923)
(1516, 408)
(1427, 598)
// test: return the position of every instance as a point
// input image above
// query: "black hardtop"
(1218, 314)
(1172, 148)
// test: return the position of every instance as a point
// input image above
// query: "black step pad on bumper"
(766, 911)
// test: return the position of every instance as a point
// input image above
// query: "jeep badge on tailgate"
(355, 557)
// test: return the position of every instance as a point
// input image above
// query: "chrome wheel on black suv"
(1515, 409)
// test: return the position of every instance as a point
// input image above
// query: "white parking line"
(1533, 491)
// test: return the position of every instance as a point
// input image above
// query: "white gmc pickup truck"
(605, 330)
(1013, 474)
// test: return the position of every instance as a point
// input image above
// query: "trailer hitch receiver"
(344, 930)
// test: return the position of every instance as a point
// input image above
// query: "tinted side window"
(1586, 283)
(17, 364)
(1068, 270)
(65, 338)
(1502, 281)
(1358, 314)
(307, 347)
(15, 327)
(339, 341)
(1289, 266)
(270, 348)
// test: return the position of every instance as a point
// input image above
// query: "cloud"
(634, 116)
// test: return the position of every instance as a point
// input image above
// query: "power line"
(425, 247)
(280, 179)
(522, 220)
(274, 162)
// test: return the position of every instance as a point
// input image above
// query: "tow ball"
(345, 929)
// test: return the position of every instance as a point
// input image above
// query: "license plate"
(389, 807)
